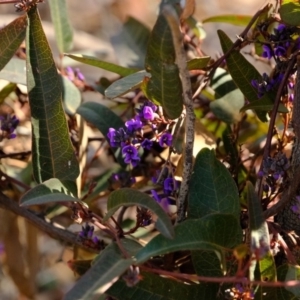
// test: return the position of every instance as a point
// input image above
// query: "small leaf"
(106, 269)
(164, 85)
(238, 20)
(12, 35)
(212, 188)
(126, 84)
(79, 267)
(14, 71)
(129, 197)
(52, 190)
(242, 71)
(62, 26)
(260, 240)
(213, 232)
(290, 12)
(6, 90)
(93, 61)
(103, 118)
(53, 153)
(267, 268)
(155, 287)
(198, 63)
(130, 43)
(71, 96)
(227, 108)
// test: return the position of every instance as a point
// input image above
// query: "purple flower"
(117, 137)
(130, 155)
(133, 125)
(162, 200)
(170, 185)
(8, 125)
(147, 144)
(280, 51)
(166, 139)
(87, 231)
(148, 113)
(267, 51)
(79, 75)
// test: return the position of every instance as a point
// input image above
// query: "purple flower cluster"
(74, 74)
(266, 84)
(131, 138)
(281, 42)
(8, 126)
(86, 236)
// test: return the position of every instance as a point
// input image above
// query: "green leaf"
(14, 71)
(227, 108)
(52, 190)
(12, 35)
(103, 118)
(267, 268)
(238, 20)
(62, 26)
(129, 197)
(93, 61)
(164, 86)
(260, 240)
(213, 232)
(155, 287)
(106, 269)
(242, 71)
(52, 150)
(71, 96)
(264, 104)
(130, 43)
(293, 273)
(6, 90)
(198, 63)
(212, 188)
(126, 84)
(290, 12)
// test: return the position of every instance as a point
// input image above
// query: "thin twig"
(63, 235)
(173, 22)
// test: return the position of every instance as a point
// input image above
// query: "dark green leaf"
(264, 104)
(105, 270)
(260, 240)
(212, 188)
(126, 84)
(238, 20)
(155, 287)
(241, 70)
(62, 26)
(52, 190)
(198, 63)
(71, 96)
(103, 118)
(9, 88)
(130, 43)
(290, 12)
(93, 61)
(129, 197)
(227, 108)
(12, 36)
(52, 150)
(213, 232)
(164, 86)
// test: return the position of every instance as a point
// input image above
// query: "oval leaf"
(212, 188)
(129, 197)
(106, 269)
(62, 26)
(164, 85)
(12, 36)
(213, 232)
(95, 62)
(52, 190)
(198, 63)
(52, 150)
(290, 12)
(126, 84)
(14, 71)
(103, 118)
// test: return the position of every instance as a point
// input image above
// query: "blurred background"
(96, 24)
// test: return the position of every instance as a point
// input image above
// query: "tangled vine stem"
(172, 19)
